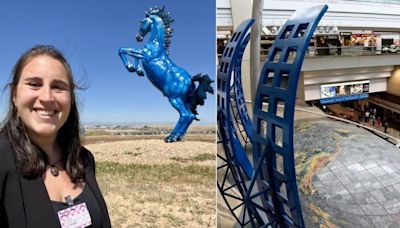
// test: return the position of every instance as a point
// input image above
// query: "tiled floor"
(360, 186)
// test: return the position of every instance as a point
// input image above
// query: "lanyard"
(69, 200)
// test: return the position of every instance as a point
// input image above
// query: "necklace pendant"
(54, 171)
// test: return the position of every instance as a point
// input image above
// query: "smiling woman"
(47, 179)
(43, 98)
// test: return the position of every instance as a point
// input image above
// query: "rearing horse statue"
(173, 81)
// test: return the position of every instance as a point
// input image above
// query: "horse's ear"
(146, 13)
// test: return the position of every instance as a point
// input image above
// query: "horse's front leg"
(185, 118)
(136, 54)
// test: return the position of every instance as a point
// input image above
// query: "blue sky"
(90, 33)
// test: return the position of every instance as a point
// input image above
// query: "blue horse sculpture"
(173, 81)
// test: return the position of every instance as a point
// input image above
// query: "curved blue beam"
(273, 132)
(236, 166)
(228, 63)
(242, 119)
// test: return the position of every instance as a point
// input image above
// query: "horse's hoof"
(140, 72)
(168, 139)
(171, 138)
(130, 68)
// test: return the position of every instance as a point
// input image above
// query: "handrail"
(318, 52)
(321, 52)
(396, 2)
(351, 122)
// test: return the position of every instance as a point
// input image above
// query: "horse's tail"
(198, 96)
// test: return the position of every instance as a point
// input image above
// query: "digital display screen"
(344, 89)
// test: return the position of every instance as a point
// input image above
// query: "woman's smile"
(45, 114)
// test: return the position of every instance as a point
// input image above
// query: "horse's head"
(158, 20)
(145, 27)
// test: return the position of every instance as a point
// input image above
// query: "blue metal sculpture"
(234, 163)
(173, 81)
(239, 107)
(267, 186)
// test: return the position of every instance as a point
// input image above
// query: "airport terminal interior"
(347, 115)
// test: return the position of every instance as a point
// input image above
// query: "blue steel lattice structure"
(266, 188)
(183, 93)
(239, 107)
(236, 168)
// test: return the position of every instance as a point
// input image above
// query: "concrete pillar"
(255, 48)
(393, 83)
(241, 10)
(300, 87)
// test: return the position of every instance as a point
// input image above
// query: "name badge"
(75, 217)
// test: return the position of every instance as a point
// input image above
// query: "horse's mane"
(167, 21)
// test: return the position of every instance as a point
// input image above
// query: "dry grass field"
(149, 183)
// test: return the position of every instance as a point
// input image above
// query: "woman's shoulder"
(3, 138)
(5, 147)
(87, 156)
(7, 156)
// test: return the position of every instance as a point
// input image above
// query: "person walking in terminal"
(378, 121)
(385, 125)
(367, 116)
(373, 120)
(47, 179)
(339, 47)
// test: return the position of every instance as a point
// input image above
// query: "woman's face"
(43, 97)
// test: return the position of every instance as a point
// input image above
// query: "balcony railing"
(377, 1)
(370, 1)
(317, 52)
(314, 52)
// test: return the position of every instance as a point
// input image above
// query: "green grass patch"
(204, 157)
(167, 173)
(180, 159)
(127, 152)
(199, 157)
(97, 132)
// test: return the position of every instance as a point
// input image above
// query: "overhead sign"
(343, 98)
(344, 91)
(345, 33)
